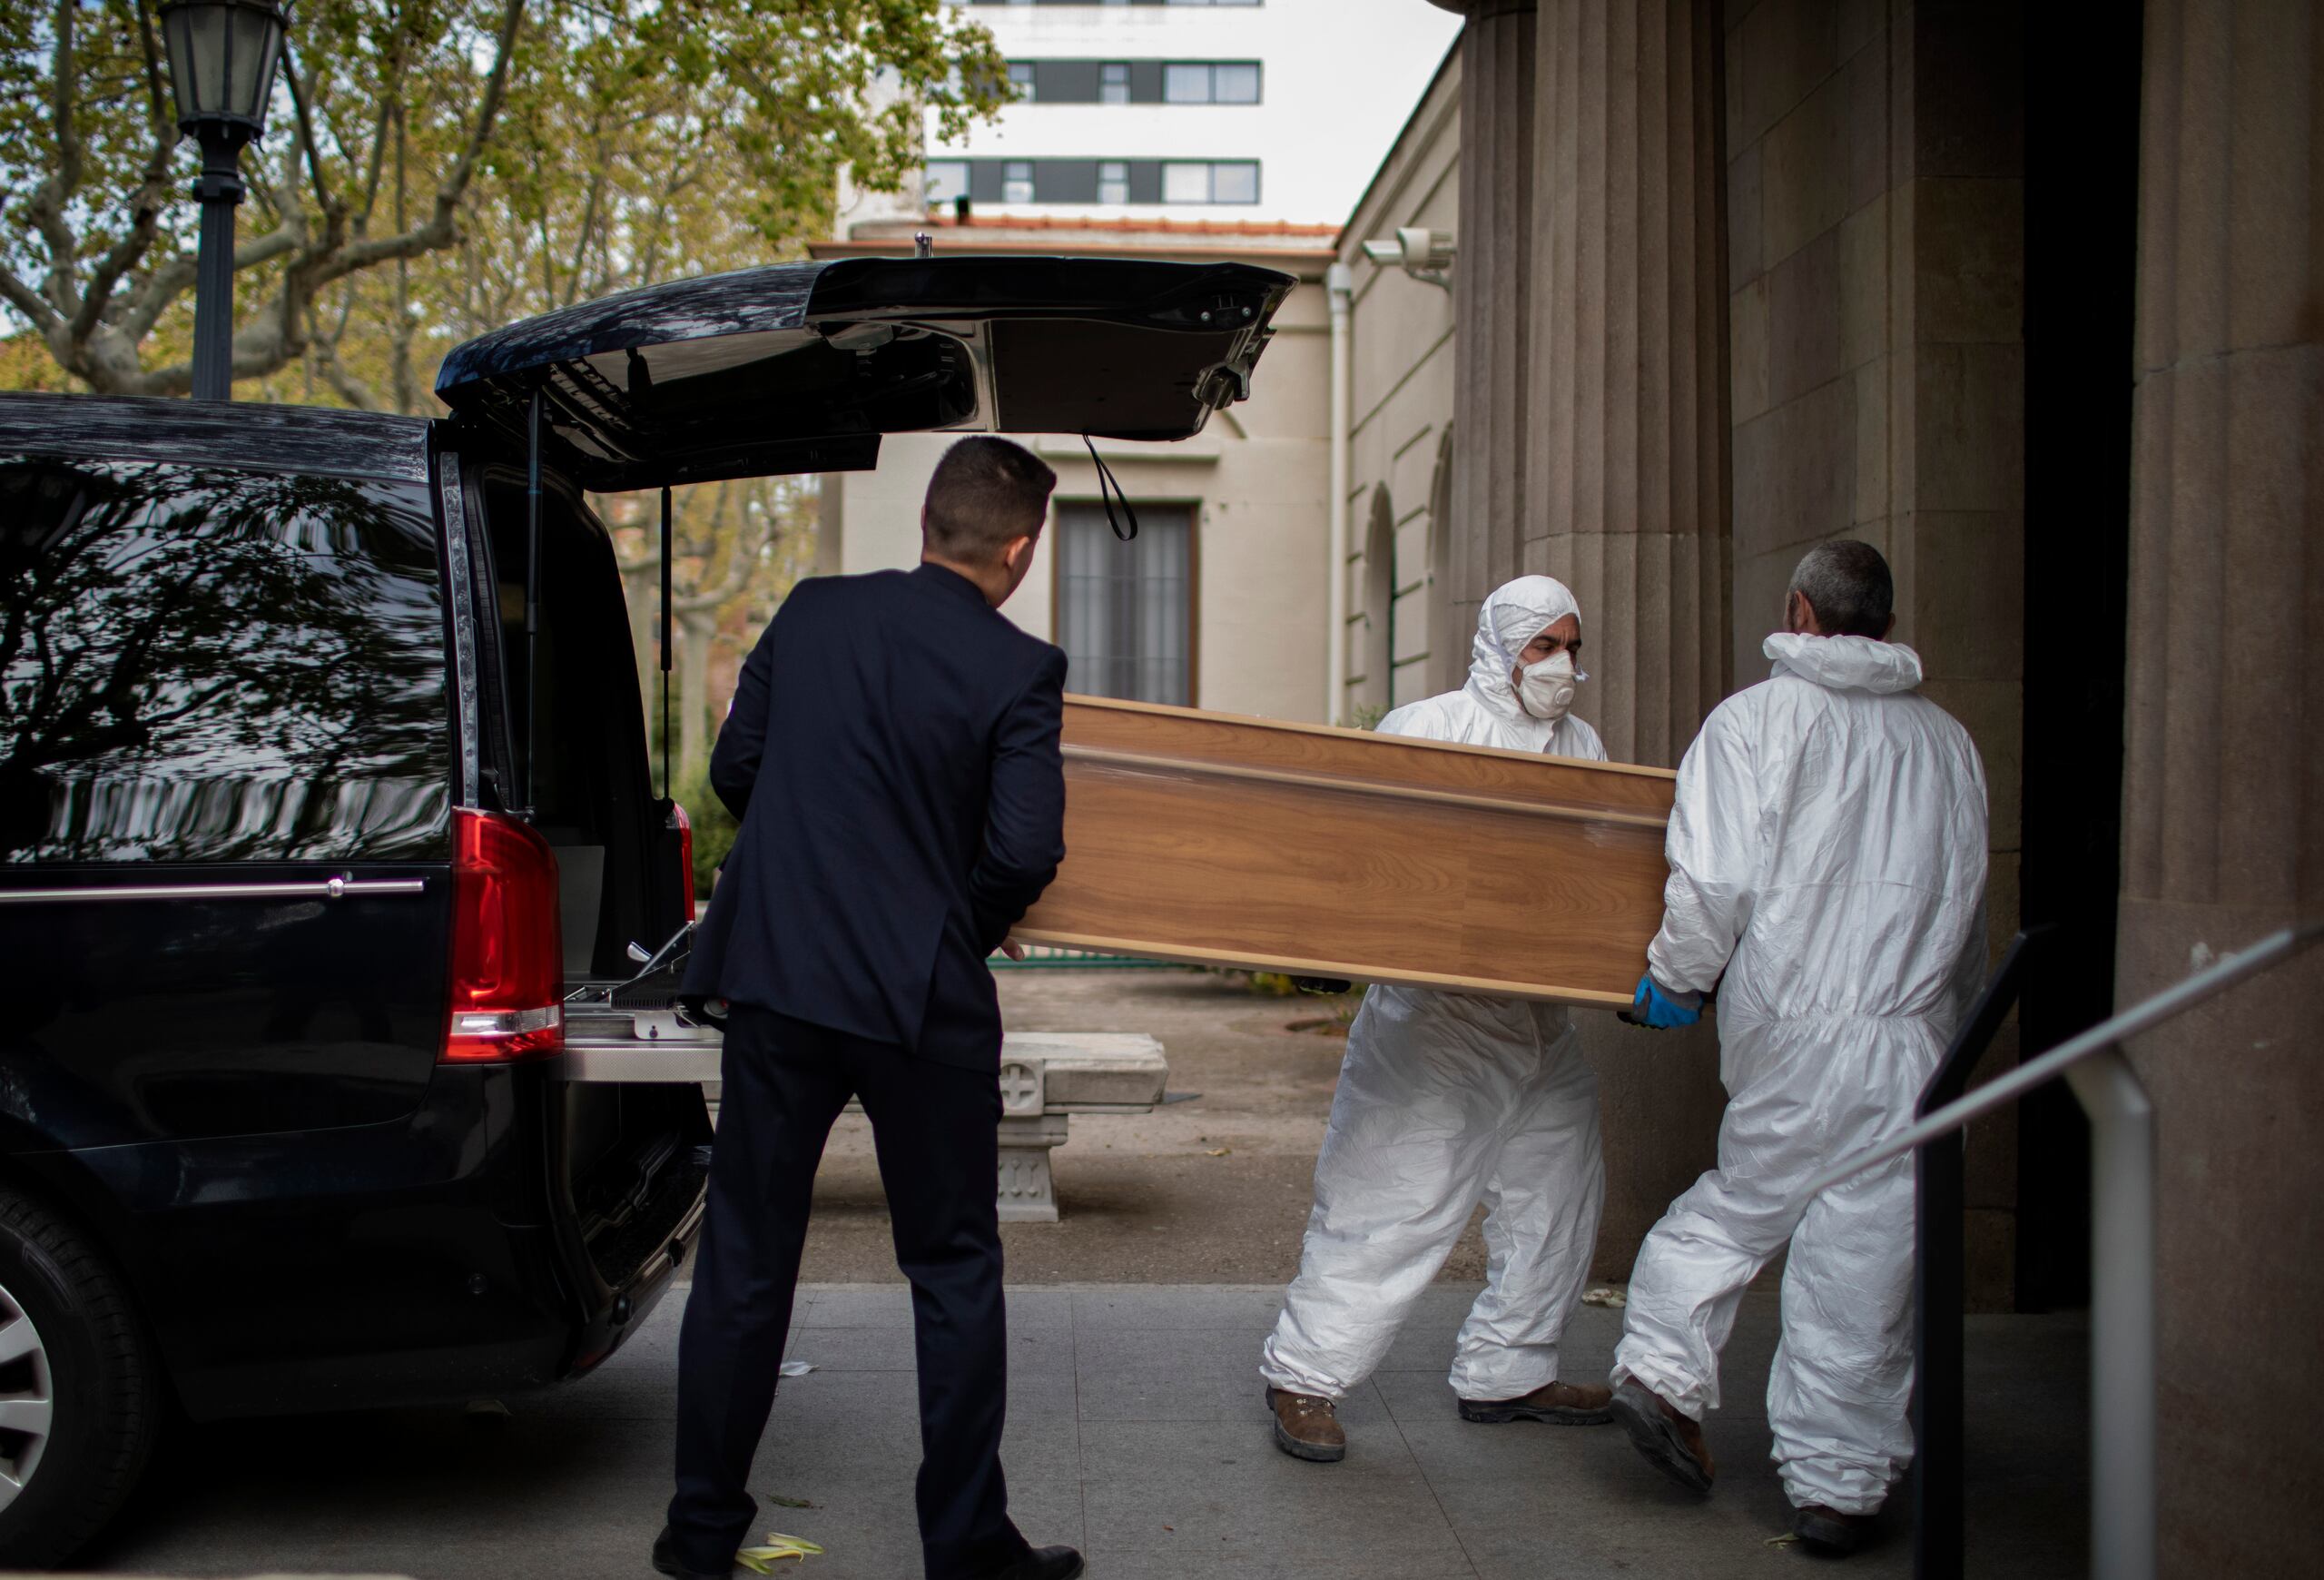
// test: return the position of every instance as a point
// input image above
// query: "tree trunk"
(693, 700)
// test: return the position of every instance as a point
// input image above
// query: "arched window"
(1448, 645)
(1379, 628)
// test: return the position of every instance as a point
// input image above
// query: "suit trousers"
(934, 1127)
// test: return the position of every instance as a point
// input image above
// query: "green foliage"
(433, 168)
(713, 828)
(1365, 718)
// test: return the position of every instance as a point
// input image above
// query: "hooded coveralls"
(1827, 858)
(1448, 1099)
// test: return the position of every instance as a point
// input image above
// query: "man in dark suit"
(892, 757)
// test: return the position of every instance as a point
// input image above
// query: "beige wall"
(1255, 478)
(1876, 276)
(1400, 644)
(2223, 803)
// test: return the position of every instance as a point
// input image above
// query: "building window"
(1185, 85)
(1188, 182)
(1084, 181)
(1021, 78)
(1113, 82)
(1183, 183)
(1211, 83)
(1235, 183)
(1126, 610)
(948, 179)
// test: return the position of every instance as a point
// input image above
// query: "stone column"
(1494, 290)
(2223, 781)
(1625, 495)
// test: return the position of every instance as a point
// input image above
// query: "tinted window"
(198, 663)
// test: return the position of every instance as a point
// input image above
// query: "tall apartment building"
(1219, 110)
(1242, 129)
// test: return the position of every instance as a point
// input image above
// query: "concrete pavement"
(1136, 1432)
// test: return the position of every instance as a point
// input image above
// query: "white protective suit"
(1448, 1099)
(1828, 860)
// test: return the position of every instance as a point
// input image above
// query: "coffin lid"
(802, 367)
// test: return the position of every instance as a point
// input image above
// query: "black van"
(305, 843)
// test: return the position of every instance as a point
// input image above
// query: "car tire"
(70, 1337)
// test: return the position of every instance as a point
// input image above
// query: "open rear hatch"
(802, 367)
(786, 368)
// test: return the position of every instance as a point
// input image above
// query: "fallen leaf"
(1218, 1151)
(762, 1560)
(1786, 1540)
(781, 1501)
(1605, 1295)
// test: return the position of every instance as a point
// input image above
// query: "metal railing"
(2121, 1252)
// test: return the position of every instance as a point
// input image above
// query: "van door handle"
(312, 889)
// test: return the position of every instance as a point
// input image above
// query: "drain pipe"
(1339, 285)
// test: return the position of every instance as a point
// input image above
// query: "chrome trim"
(506, 1022)
(320, 889)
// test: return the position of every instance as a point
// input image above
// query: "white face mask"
(1546, 689)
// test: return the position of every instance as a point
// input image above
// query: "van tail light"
(507, 948)
(685, 858)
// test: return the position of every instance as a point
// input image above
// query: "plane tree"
(432, 167)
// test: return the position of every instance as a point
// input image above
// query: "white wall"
(1401, 401)
(1258, 476)
(1339, 78)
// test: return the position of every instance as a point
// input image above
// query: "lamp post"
(223, 54)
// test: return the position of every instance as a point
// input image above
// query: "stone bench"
(1045, 1078)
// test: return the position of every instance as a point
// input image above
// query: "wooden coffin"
(1217, 840)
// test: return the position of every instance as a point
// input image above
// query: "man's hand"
(1657, 1009)
(1012, 949)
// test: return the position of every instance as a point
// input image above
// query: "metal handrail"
(2121, 1338)
(1940, 1276)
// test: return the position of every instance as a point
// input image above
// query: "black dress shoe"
(665, 1560)
(1044, 1564)
(1827, 1529)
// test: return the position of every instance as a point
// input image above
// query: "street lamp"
(223, 54)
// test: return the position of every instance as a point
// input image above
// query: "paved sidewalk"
(1136, 1432)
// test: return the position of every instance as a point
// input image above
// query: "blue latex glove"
(1658, 1010)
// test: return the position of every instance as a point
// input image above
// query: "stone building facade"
(2030, 298)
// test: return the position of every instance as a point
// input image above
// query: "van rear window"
(199, 664)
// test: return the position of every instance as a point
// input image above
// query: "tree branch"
(307, 136)
(50, 198)
(28, 302)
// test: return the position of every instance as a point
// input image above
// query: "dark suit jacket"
(892, 756)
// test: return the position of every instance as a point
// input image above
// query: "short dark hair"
(1848, 584)
(985, 492)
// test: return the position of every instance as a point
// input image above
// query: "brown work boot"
(1306, 1427)
(1559, 1404)
(1672, 1441)
(1830, 1529)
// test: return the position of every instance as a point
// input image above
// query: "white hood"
(1846, 663)
(1513, 615)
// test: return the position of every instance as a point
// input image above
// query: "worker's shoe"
(1307, 1426)
(667, 1561)
(1830, 1529)
(1044, 1564)
(1559, 1404)
(1673, 1442)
